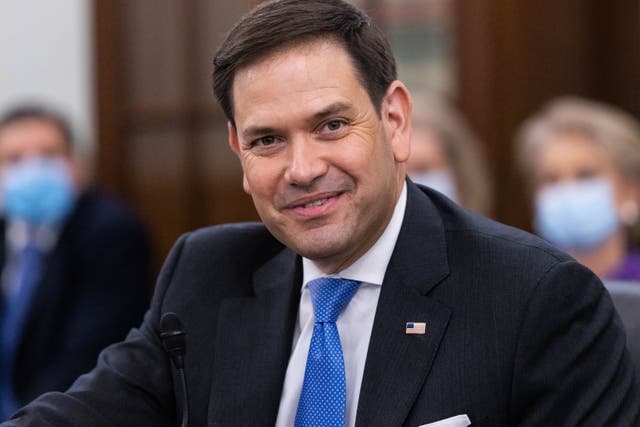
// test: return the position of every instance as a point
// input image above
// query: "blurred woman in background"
(446, 155)
(582, 161)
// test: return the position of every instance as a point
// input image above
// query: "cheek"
(355, 162)
(366, 149)
(624, 191)
(260, 177)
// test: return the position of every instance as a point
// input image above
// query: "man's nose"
(306, 162)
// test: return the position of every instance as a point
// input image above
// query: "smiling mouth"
(315, 206)
(316, 203)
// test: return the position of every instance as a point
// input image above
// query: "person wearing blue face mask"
(75, 264)
(446, 155)
(38, 191)
(582, 160)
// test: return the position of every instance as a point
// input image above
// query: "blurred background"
(134, 77)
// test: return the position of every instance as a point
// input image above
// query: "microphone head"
(170, 322)
(172, 334)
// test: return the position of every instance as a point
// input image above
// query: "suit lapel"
(253, 344)
(397, 363)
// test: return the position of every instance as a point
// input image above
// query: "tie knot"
(330, 296)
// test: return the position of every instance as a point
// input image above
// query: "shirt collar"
(371, 266)
(19, 234)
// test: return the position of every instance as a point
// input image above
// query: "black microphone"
(174, 342)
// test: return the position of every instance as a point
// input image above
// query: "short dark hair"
(278, 24)
(38, 112)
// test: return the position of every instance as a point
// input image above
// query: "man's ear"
(396, 116)
(235, 147)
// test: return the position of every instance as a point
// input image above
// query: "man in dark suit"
(362, 299)
(75, 264)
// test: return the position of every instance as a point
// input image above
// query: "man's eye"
(333, 128)
(264, 141)
(265, 145)
(334, 125)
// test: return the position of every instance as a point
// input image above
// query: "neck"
(606, 257)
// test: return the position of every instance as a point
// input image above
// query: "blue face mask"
(38, 191)
(578, 215)
(439, 180)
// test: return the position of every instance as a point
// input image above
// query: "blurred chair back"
(626, 298)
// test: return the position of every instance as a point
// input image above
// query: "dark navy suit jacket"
(517, 333)
(95, 286)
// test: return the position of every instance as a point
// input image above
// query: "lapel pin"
(416, 328)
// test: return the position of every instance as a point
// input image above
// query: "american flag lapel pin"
(416, 328)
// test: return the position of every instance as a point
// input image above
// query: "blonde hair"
(462, 148)
(608, 127)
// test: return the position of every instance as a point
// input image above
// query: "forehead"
(31, 136)
(572, 145)
(571, 152)
(299, 78)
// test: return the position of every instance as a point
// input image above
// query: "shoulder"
(100, 215)
(475, 237)
(234, 243)
(505, 265)
(231, 233)
(228, 249)
(219, 261)
(101, 225)
(97, 207)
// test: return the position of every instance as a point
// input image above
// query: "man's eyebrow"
(330, 110)
(253, 131)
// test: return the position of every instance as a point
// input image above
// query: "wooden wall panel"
(155, 58)
(209, 31)
(159, 182)
(162, 140)
(222, 177)
(109, 93)
(616, 53)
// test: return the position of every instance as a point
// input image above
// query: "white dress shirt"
(354, 324)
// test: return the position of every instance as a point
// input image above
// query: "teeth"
(316, 203)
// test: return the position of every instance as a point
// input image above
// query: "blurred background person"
(446, 155)
(75, 264)
(581, 160)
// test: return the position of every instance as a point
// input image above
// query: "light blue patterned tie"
(13, 316)
(323, 397)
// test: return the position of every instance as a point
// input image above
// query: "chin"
(315, 247)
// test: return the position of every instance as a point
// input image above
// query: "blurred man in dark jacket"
(75, 264)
